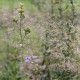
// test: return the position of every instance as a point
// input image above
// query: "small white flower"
(20, 45)
(32, 62)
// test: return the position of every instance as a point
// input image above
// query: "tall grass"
(50, 52)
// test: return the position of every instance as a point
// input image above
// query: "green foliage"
(62, 74)
(57, 40)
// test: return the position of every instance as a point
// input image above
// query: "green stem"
(12, 6)
(73, 11)
(52, 10)
(60, 8)
(20, 30)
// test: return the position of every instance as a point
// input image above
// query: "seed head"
(21, 5)
(15, 19)
(27, 30)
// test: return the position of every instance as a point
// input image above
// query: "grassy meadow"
(39, 39)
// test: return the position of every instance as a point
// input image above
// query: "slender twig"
(73, 10)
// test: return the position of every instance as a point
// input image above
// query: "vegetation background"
(39, 40)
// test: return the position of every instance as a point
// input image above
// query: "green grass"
(2, 44)
(30, 7)
(9, 4)
(33, 37)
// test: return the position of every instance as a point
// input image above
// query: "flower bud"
(22, 15)
(21, 5)
(15, 19)
(27, 30)
(20, 10)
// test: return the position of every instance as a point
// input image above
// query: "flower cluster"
(28, 59)
(27, 30)
(7, 34)
(21, 10)
(15, 19)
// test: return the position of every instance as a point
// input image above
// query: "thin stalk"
(12, 10)
(12, 6)
(8, 44)
(73, 10)
(21, 41)
(60, 8)
(45, 55)
(52, 10)
(20, 30)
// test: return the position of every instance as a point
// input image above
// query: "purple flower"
(28, 59)
(5, 33)
(9, 35)
(34, 57)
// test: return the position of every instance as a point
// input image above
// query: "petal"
(34, 57)
(27, 60)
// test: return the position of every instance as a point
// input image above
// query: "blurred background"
(39, 40)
